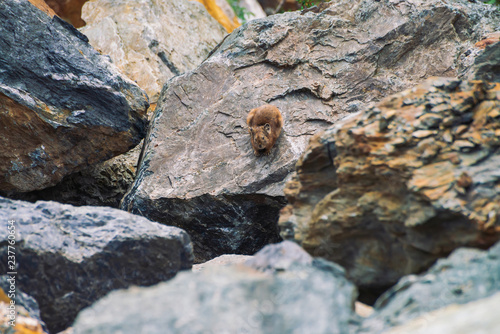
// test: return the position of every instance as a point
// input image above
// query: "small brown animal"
(264, 124)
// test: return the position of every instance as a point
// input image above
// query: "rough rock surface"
(70, 106)
(103, 184)
(151, 41)
(487, 65)
(68, 257)
(304, 298)
(199, 171)
(389, 190)
(480, 317)
(466, 275)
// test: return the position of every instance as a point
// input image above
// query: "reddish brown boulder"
(389, 190)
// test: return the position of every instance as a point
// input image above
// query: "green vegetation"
(241, 12)
(308, 3)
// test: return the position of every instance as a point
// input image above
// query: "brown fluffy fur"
(264, 125)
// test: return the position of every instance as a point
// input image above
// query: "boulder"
(103, 184)
(151, 41)
(480, 317)
(69, 104)
(68, 257)
(198, 171)
(304, 298)
(389, 190)
(466, 275)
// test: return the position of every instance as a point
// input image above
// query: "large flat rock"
(63, 106)
(68, 257)
(198, 170)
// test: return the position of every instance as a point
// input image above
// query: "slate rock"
(389, 190)
(68, 257)
(69, 104)
(487, 65)
(151, 42)
(304, 298)
(198, 171)
(102, 184)
(466, 275)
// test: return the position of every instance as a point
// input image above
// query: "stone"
(103, 184)
(478, 317)
(303, 298)
(198, 170)
(467, 275)
(383, 207)
(15, 303)
(68, 257)
(151, 41)
(223, 260)
(69, 104)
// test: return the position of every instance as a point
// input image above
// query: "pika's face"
(260, 137)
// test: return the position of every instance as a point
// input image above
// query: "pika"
(264, 124)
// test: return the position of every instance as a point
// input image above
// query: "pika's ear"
(267, 127)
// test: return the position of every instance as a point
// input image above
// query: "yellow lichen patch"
(218, 14)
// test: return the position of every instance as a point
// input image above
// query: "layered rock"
(198, 171)
(389, 190)
(68, 257)
(151, 41)
(68, 103)
(302, 297)
(466, 275)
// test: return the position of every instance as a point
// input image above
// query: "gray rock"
(151, 41)
(198, 171)
(223, 260)
(68, 257)
(479, 317)
(63, 105)
(304, 298)
(466, 275)
(487, 65)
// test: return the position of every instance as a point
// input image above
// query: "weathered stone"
(479, 317)
(151, 41)
(198, 170)
(68, 257)
(103, 184)
(466, 275)
(303, 298)
(383, 210)
(63, 106)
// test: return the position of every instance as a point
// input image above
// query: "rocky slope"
(68, 103)
(68, 257)
(198, 170)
